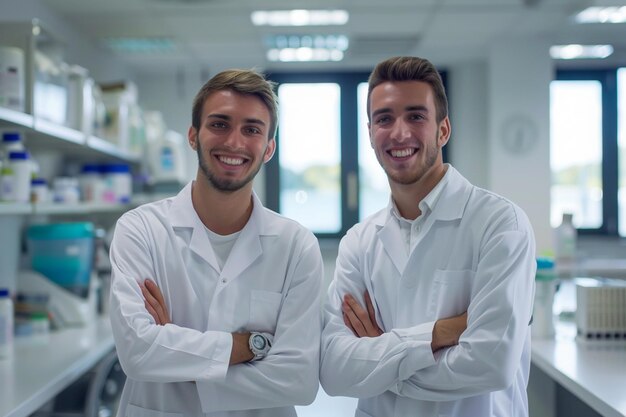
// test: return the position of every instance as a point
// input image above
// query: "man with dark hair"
(229, 322)
(428, 313)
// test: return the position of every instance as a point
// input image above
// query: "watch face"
(259, 342)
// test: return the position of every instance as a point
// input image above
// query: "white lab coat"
(270, 282)
(477, 255)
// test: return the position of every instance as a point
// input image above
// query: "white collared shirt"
(411, 228)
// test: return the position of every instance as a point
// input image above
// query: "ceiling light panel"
(576, 51)
(299, 17)
(141, 45)
(602, 15)
(306, 48)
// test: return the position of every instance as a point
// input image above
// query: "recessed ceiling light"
(299, 17)
(141, 45)
(306, 48)
(575, 51)
(602, 15)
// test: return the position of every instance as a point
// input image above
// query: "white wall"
(520, 72)
(468, 152)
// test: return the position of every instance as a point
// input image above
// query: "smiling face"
(233, 140)
(404, 131)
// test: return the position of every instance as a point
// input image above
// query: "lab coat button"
(223, 280)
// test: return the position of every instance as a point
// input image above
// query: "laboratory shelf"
(53, 131)
(107, 148)
(41, 134)
(15, 208)
(15, 119)
(78, 208)
(41, 367)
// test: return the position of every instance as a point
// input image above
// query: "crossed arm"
(362, 322)
(155, 304)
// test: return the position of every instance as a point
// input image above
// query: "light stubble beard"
(431, 158)
(224, 185)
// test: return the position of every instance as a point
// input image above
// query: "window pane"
(576, 152)
(621, 138)
(309, 132)
(373, 184)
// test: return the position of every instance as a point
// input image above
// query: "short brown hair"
(408, 68)
(248, 82)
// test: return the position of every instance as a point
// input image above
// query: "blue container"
(63, 252)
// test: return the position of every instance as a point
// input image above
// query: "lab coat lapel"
(247, 248)
(183, 216)
(391, 237)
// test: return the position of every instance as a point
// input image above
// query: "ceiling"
(210, 34)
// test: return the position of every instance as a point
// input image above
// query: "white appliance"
(65, 307)
(601, 308)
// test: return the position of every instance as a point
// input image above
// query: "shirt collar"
(428, 203)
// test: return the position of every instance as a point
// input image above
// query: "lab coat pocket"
(136, 411)
(450, 293)
(264, 307)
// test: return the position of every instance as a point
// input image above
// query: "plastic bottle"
(565, 241)
(545, 287)
(16, 176)
(118, 180)
(6, 323)
(39, 191)
(12, 141)
(91, 183)
(12, 78)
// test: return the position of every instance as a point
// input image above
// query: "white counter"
(594, 371)
(40, 369)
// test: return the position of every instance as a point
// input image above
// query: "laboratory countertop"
(594, 371)
(41, 367)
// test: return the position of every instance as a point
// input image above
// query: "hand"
(361, 322)
(447, 332)
(241, 349)
(154, 302)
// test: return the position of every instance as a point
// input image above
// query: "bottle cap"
(19, 155)
(11, 137)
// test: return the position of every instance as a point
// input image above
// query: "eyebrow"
(407, 108)
(228, 118)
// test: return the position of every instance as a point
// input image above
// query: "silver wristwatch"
(260, 344)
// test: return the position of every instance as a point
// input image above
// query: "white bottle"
(6, 323)
(17, 189)
(565, 241)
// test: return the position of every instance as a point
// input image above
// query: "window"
(310, 155)
(588, 174)
(324, 174)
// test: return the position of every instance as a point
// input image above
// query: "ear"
(444, 132)
(192, 137)
(269, 151)
(369, 132)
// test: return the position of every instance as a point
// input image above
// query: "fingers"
(350, 307)
(358, 319)
(372, 313)
(154, 302)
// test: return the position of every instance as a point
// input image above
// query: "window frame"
(608, 81)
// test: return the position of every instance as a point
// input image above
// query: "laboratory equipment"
(601, 308)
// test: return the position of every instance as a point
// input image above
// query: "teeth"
(402, 153)
(231, 161)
